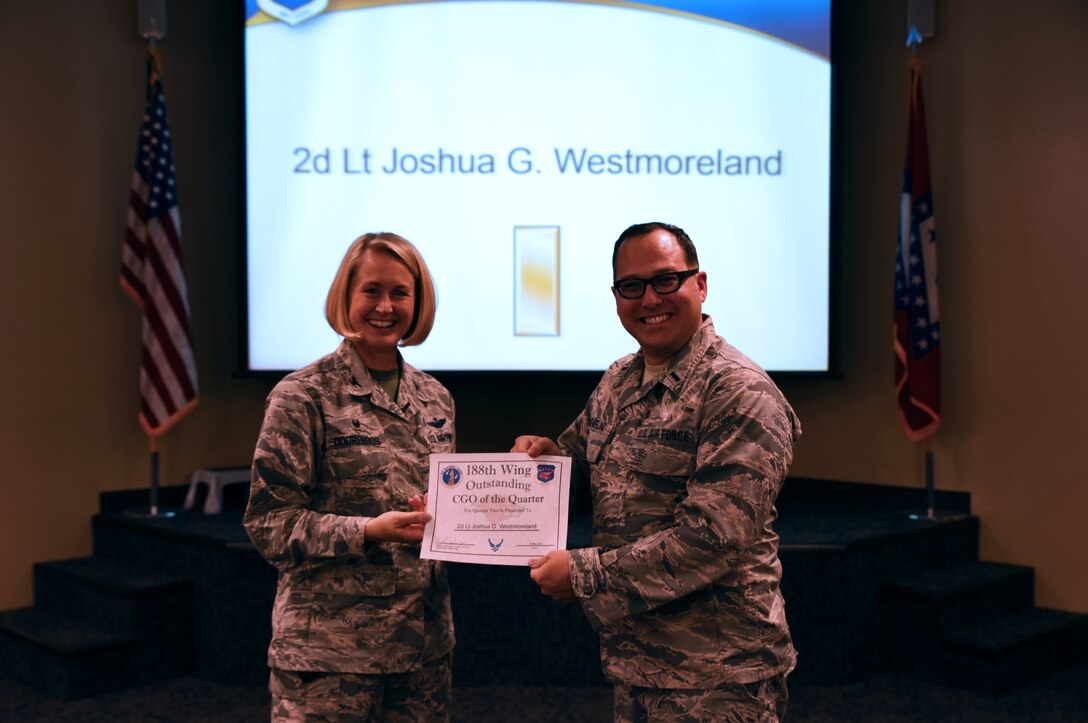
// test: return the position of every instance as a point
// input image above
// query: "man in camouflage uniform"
(361, 627)
(686, 444)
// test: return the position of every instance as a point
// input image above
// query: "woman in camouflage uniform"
(361, 627)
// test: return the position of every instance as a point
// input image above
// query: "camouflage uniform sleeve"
(745, 448)
(285, 468)
(572, 443)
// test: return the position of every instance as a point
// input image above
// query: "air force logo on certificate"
(496, 509)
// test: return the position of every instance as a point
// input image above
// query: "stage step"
(98, 625)
(976, 626)
(233, 587)
(960, 595)
(863, 583)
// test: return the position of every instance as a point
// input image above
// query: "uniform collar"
(690, 356)
(680, 365)
(358, 379)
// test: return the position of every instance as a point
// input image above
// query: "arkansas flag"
(917, 328)
(152, 272)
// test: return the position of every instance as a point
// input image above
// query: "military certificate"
(496, 509)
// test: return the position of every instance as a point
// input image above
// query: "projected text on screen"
(512, 142)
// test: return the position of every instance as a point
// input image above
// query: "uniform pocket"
(353, 605)
(666, 463)
(357, 581)
(357, 481)
(656, 485)
(358, 461)
(685, 628)
(303, 685)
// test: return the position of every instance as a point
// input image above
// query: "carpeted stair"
(868, 588)
(98, 625)
(975, 625)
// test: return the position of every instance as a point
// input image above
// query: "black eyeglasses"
(669, 283)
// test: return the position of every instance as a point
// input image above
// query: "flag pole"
(932, 513)
(152, 272)
(153, 508)
(931, 490)
(916, 330)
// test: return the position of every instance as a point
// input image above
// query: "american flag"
(917, 319)
(152, 272)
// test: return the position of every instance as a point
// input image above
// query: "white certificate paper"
(496, 509)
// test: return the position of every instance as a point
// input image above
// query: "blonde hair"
(338, 302)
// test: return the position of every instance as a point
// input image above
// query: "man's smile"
(656, 319)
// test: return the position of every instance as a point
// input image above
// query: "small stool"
(216, 478)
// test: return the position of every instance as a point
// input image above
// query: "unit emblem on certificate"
(451, 476)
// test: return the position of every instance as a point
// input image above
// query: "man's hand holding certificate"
(496, 509)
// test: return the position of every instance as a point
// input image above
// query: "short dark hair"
(641, 229)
